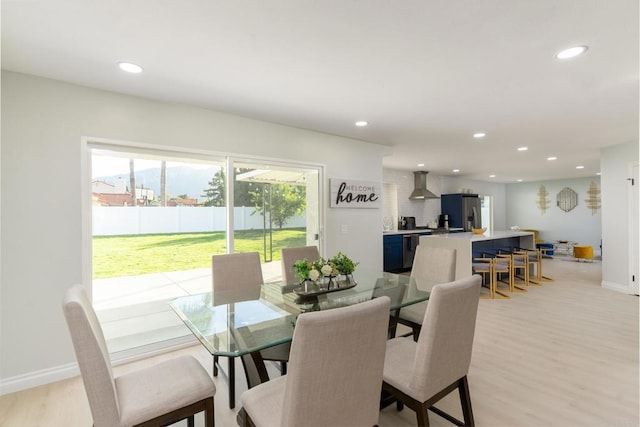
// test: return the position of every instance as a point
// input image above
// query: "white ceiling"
(426, 74)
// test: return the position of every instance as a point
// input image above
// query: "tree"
(214, 195)
(281, 201)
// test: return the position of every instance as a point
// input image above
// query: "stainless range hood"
(420, 191)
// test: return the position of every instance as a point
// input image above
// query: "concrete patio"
(134, 310)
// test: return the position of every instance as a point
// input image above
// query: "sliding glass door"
(158, 216)
(275, 206)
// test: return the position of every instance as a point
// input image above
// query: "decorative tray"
(315, 290)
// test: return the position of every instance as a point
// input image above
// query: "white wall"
(614, 166)
(579, 225)
(43, 122)
(496, 190)
(428, 210)
(403, 181)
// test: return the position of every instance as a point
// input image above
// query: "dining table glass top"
(235, 323)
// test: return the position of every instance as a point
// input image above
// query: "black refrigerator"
(464, 210)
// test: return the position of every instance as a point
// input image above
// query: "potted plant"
(307, 271)
(344, 266)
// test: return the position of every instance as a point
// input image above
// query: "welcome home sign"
(347, 193)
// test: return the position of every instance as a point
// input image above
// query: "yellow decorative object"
(478, 230)
(543, 202)
(583, 252)
(593, 202)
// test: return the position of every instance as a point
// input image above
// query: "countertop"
(415, 231)
(480, 237)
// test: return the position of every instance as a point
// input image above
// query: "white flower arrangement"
(326, 270)
(314, 274)
(322, 268)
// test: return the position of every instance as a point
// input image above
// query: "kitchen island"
(469, 245)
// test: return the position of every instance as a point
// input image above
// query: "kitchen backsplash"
(398, 185)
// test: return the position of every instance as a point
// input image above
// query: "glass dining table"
(242, 323)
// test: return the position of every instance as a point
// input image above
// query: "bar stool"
(484, 266)
(534, 259)
(507, 263)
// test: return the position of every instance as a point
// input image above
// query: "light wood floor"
(564, 354)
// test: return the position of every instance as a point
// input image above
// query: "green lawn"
(116, 256)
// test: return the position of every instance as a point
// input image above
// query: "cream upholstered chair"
(335, 371)
(291, 255)
(157, 395)
(229, 273)
(431, 265)
(419, 374)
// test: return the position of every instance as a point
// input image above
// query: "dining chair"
(431, 265)
(335, 371)
(161, 394)
(291, 255)
(419, 374)
(229, 273)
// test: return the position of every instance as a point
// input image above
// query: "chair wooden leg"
(209, 414)
(465, 400)
(422, 416)
(416, 332)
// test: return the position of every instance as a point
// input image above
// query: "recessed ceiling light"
(598, 173)
(519, 180)
(420, 165)
(492, 176)
(551, 158)
(571, 52)
(479, 135)
(579, 167)
(130, 67)
(361, 123)
(523, 148)
(456, 170)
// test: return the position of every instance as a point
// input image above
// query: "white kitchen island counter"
(469, 245)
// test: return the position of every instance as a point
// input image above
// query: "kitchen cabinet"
(392, 252)
(464, 210)
(399, 250)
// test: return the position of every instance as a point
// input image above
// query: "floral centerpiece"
(343, 264)
(323, 272)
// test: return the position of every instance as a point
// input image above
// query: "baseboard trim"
(615, 287)
(70, 370)
(38, 378)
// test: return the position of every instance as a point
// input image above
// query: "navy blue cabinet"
(464, 210)
(392, 252)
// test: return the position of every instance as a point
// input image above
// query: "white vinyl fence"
(124, 220)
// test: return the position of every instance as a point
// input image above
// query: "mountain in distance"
(180, 180)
